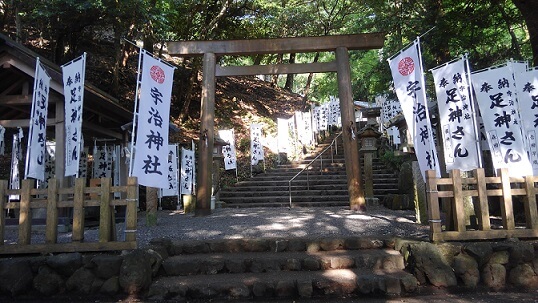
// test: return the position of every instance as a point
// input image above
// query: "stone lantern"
(218, 157)
(369, 136)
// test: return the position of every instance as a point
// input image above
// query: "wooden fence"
(76, 198)
(482, 190)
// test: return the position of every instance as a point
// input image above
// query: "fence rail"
(482, 190)
(76, 198)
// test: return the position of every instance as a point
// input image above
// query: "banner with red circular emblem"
(150, 162)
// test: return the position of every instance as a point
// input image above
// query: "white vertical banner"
(83, 163)
(37, 134)
(102, 161)
(527, 85)
(315, 119)
(151, 146)
(407, 72)
(256, 148)
(323, 116)
(456, 116)
(2, 140)
(299, 123)
(50, 150)
(335, 115)
(15, 178)
(389, 110)
(228, 151)
(73, 79)
(308, 132)
(495, 94)
(187, 171)
(283, 135)
(172, 187)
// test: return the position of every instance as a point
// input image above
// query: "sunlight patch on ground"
(274, 226)
(404, 220)
(360, 217)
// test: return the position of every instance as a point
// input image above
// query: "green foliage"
(489, 31)
(390, 159)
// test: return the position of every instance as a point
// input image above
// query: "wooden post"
(349, 135)
(152, 201)
(3, 199)
(531, 216)
(130, 212)
(59, 162)
(78, 210)
(104, 211)
(368, 174)
(507, 209)
(459, 214)
(25, 212)
(484, 222)
(434, 216)
(205, 144)
(52, 212)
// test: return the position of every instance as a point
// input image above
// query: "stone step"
(218, 263)
(296, 182)
(284, 199)
(259, 189)
(333, 283)
(284, 192)
(287, 204)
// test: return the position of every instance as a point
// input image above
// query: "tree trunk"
(306, 90)
(528, 10)
(189, 94)
(289, 78)
(274, 80)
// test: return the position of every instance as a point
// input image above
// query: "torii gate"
(339, 44)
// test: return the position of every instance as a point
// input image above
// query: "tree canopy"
(490, 32)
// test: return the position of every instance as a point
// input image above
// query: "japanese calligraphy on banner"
(102, 161)
(37, 134)
(14, 178)
(83, 163)
(256, 148)
(335, 115)
(73, 78)
(151, 146)
(456, 116)
(300, 129)
(323, 117)
(495, 94)
(172, 187)
(315, 119)
(2, 141)
(228, 151)
(308, 132)
(187, 171)
(389, 110)
(407, 73)
(527, 85)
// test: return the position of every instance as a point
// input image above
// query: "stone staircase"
(326, 185)
(280, 268)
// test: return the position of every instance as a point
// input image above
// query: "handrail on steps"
(321, 166)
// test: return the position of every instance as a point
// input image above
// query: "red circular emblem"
(157, 74)
(406, 66)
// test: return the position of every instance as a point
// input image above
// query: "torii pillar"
(349, 131)
(339, 44)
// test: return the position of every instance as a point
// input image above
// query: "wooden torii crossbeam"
(340, 44)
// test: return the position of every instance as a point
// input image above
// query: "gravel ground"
(229, 223)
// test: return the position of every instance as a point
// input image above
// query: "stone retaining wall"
(496, 265)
